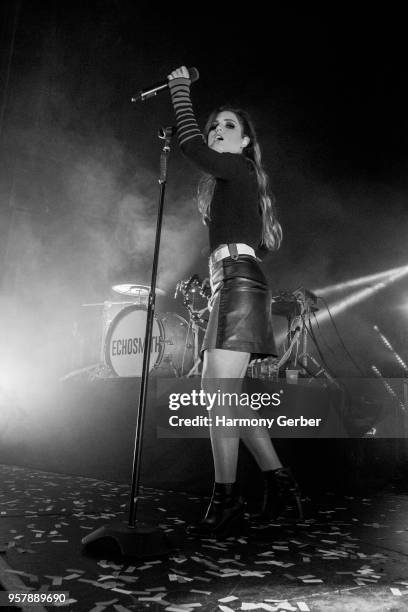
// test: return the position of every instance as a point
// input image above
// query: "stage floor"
(350, 553)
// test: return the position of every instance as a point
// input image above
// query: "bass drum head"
(125, 342)
(178, 353)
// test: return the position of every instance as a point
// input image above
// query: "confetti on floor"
(349, 547)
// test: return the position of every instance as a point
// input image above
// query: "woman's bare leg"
(230, 365)
(260, 446)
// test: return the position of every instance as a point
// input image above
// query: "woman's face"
(225, 135)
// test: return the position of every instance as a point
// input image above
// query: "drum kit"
(121, 334)
(175, 340)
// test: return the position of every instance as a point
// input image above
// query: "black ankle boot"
(280, 491)
(224, 514)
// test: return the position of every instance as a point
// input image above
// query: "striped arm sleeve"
(187, 127)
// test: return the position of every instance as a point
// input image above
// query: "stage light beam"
(357, 282)
(362, 294)
(389, 346)
(355, 298)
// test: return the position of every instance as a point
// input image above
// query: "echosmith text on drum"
(133, 346)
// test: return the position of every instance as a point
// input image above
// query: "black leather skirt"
(240, 316)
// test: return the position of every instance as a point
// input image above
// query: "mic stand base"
(142, 541)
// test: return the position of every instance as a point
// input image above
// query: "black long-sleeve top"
(234, 213)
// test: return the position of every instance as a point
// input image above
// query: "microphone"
(145, 94)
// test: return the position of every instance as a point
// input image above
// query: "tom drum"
(178, 354)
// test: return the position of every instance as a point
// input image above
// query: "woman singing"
(240, 215)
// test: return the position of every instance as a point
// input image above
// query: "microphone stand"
(140, 540)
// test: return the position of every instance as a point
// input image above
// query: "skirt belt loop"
(233, 250)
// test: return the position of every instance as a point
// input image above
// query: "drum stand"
(298, 333)
(195, 370)
(188, 289)
(140, 540)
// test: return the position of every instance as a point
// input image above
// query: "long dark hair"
(271, 229)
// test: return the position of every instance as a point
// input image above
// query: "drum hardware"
(307, 301)
(91, 369)
(190, 290)
(107, 303)
(89, 335)
(139, 292)
(288, 305)
(296, 307)
(194, 371)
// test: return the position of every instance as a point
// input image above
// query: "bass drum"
(177, 358)
(125, 342)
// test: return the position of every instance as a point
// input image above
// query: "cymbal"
(107, 303)
(136, 290)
